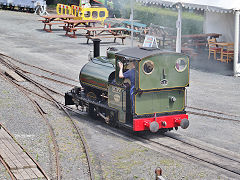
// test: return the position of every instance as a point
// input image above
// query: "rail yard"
(65, 143)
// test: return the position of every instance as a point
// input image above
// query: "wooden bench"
(44, 20)
(189, 51)
(50, 25)
(78, 28)
(129, 30)
(198, 40)
(200, 44)
(107, 36)
(74, 29)
(51, 20)
(98, 33)
(70, 29)
(74, 25)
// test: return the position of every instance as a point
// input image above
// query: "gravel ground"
(72, 159)
(3, 172)
(114, 157)
(123, 158)
(25, 124)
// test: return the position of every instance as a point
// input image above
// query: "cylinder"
(96, 47)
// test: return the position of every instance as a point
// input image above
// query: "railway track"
(212, 114)
(50, 98)
(190, 110)
(7, 168)
(9, 59)
(222, 160)
(42, 113)
(218, 159)
(214, 157)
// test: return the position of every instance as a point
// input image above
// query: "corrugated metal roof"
(221, 6)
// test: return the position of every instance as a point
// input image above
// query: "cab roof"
(138, 53)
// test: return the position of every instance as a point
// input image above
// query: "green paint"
(117, 100)
(164, 68)
(97, 72)
(151, 102)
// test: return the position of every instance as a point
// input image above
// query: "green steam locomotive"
(156, 101)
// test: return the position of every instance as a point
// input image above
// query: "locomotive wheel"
(91, 111)
(112, 121)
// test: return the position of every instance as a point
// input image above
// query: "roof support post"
(236, 65)
(179, 29)
(131, 18)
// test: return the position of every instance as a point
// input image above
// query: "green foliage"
(67, 2)
(191, 22)
(116, 8)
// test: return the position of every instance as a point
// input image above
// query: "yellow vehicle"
(76, 11)
(95, 13)
(83, 11)
(63, 9)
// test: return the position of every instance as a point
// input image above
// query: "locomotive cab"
(158, 98)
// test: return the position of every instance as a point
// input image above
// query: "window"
(95, 14)
(148, 67)
(102, 14)
(180, 65)
(87, 14)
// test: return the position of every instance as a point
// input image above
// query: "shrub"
(191, 22)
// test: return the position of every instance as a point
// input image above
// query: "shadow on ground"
(201, 62)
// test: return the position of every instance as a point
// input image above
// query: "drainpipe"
(179, 29)
(236, 65)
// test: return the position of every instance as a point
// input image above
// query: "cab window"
(148, 67)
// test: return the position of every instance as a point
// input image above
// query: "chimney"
(96, 47)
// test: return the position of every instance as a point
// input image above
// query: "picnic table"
(51, 20)
(227, 50)
(138, 28)
(164, 35)
(74, 25)
(98, 33)
(194, 36)
(198, 40)
(135, 24)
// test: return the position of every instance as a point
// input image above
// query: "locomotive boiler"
(158, 98)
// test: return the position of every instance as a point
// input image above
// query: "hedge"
(191, 22)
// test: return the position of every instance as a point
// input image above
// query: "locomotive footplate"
(78, 98)
(72, 97)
